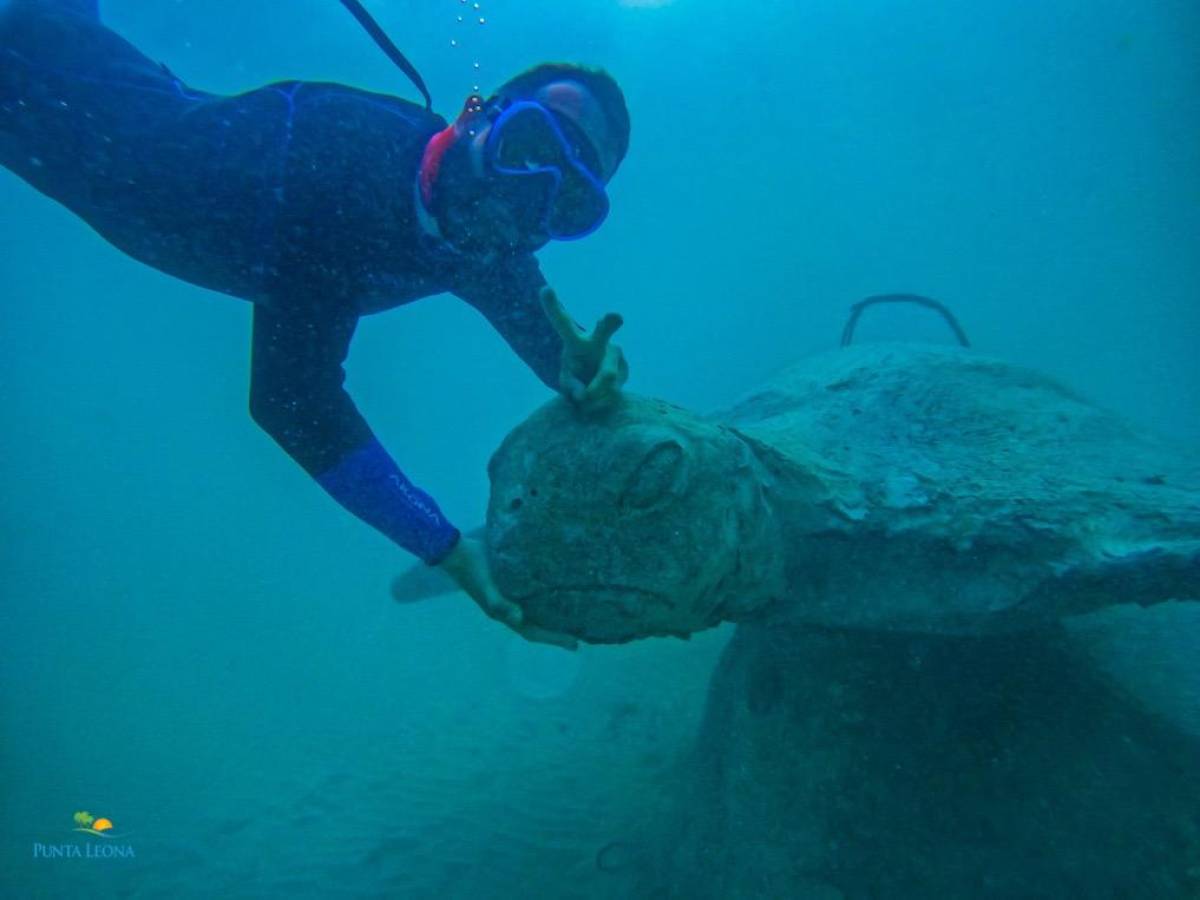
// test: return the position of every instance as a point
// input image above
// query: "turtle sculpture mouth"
(564, 598)
(597, 612)
(615, 593)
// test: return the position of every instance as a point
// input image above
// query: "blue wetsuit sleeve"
(507, 295)
(297, 395)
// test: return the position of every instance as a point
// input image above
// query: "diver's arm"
(468, 565)
(507, 295)
(297, 396)
(587, 369)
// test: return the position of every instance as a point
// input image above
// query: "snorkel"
(440, 144)
(385, 44)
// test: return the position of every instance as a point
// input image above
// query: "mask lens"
(579, 207)
(581, 148)
(527, 141)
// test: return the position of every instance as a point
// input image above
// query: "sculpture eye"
(658, 477)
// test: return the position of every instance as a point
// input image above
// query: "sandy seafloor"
(509, 793)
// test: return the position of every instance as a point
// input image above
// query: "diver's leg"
(77, 101)
(65, 39)
(88, 8)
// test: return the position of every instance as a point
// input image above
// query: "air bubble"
(482, 20)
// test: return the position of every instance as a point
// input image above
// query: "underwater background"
(198, 645)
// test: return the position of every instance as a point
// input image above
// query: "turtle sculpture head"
(642, 520)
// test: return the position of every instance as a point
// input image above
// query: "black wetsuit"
(297, 196)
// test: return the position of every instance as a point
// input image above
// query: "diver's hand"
(467, 564)
(593, 370)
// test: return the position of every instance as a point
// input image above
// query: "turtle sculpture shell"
(878, 486)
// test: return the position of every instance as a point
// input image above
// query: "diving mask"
(527, 141)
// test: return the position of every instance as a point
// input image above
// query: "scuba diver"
(321, 203)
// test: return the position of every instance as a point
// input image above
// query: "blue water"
(198, 645)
